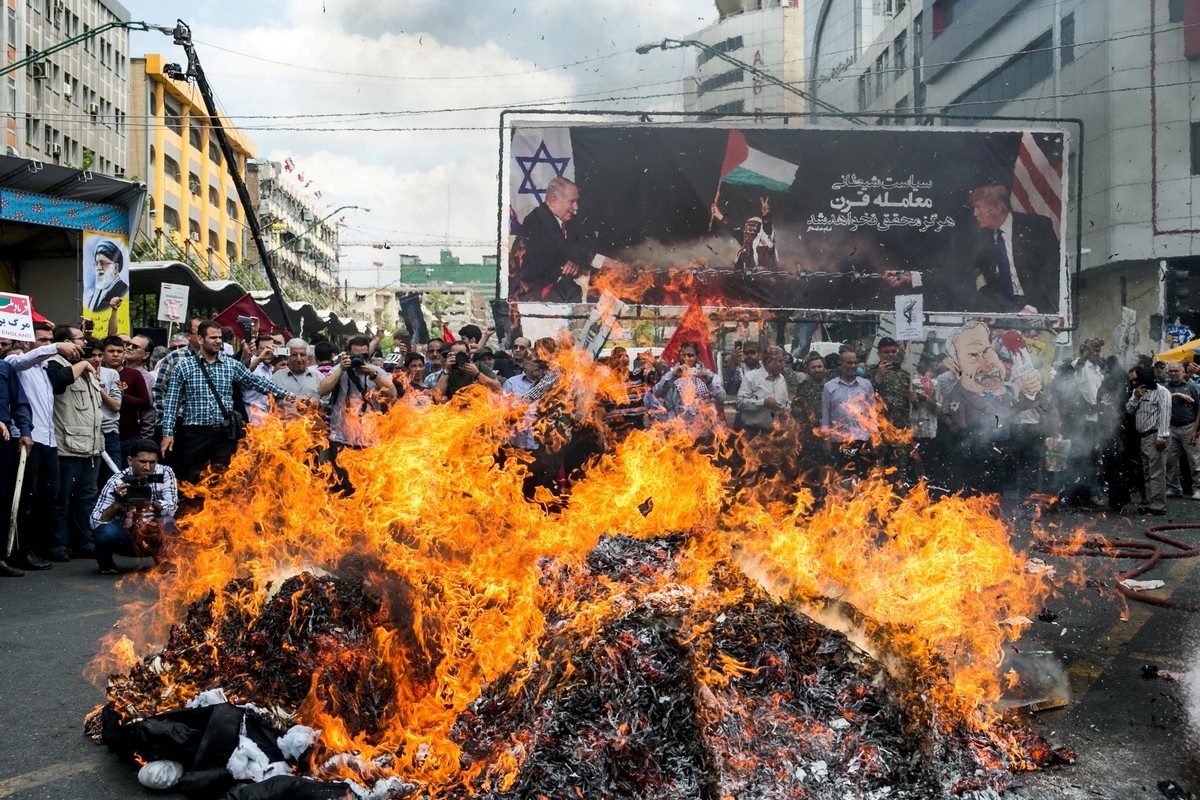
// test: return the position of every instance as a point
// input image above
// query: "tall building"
(1127, 71)
(195, 214)
(302, 241)
(766, 34)
(69, 107)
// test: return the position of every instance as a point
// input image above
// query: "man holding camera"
(267, 351)
(136, 509)
(460, 371)
(354, 387)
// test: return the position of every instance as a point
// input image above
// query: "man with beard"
(978, 406)
(109, 266)
(848, 419)
(757, 238)
(551, 255)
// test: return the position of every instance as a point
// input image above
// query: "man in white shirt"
(763, 398)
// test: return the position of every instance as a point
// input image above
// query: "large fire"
(441, 589)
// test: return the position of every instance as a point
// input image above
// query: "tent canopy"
(1184, 352)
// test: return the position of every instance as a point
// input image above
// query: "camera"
(282, 352)
(247, 324)
(459, 360)
(357, 360)
(139, 490)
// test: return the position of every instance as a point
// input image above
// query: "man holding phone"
(262, 365)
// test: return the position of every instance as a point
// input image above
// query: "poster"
(105, 277)
(788, 217)
(172, 303)
(910, 318)
(16, 317)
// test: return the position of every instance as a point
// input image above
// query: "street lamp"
(672, 44)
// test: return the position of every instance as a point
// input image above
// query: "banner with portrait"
(105, 278)
(788, 217)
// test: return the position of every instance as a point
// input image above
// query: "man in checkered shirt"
(202, 432)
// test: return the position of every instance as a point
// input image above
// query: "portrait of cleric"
(108, 277)
(550, 261)
(1017, 256)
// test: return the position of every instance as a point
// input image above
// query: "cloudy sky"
(395, 106)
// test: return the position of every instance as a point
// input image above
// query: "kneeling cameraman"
(136, 509)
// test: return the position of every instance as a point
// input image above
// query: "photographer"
(136, 509)
(354, 388)
(460, 371)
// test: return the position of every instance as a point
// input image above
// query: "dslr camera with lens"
(460, 359)
(357, 360)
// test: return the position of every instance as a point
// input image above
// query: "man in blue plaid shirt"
(203, 432)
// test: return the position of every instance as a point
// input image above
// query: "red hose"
(1149, 552)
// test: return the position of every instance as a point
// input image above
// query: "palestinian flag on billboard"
(745, 165)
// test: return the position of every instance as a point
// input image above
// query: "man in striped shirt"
(1150, 405)
(202, 432)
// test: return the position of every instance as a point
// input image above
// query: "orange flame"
(458, 548)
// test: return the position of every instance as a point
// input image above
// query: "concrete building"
(302, 242)
(68, 108)
(1126, 70)
(194, 211)
(768, 35)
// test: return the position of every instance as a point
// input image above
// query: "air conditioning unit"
(93, 108)
(195, 237)
(194, 187)
(38, 70)
(59, 6)
(56, 149)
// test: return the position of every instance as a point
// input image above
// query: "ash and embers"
(644, 685)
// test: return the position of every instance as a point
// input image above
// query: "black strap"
(208, 379)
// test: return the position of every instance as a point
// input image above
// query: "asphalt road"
(1129, 732)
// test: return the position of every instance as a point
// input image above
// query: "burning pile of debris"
(656, 675)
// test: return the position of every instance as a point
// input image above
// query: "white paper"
(910, 317)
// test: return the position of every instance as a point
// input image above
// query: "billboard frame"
(1074, 191)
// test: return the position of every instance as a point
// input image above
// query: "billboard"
(788, 217)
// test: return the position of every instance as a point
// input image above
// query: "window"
(214, 199)
(736, 107)
(1016, 77)
(718, 81)
(862, 90)
(171, 168)
(946, 12)
(880, 72)
(193, 183)
(193, 230)
(1196, 148)
(727, 46)
(1067, 39)
(899, 47)
(194, 137)
(173, 113)
(231, 208)
(213, 238)
(170, 218)
(231, 252)
(1175, 10)
(214, 153)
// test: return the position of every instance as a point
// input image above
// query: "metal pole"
(183, 38)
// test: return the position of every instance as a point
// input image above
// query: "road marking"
(40, 777)
(1084, 670)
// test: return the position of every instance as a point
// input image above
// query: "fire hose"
(1149, 552)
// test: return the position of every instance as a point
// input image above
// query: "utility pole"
(183, 38)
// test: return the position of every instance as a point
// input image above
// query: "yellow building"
(193, 205)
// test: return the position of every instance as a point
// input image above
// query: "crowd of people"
(102, 431)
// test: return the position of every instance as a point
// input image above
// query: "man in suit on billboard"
(1018, 258)
(550, 256)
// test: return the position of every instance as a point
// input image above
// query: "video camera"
(247, 324)
(139, 490)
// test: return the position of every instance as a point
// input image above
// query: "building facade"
(194, 212)
(70, 107)
(766, 35)
(303, 242)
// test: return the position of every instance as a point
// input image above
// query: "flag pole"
(716, 198)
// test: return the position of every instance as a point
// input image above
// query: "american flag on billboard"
(1038, 177)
